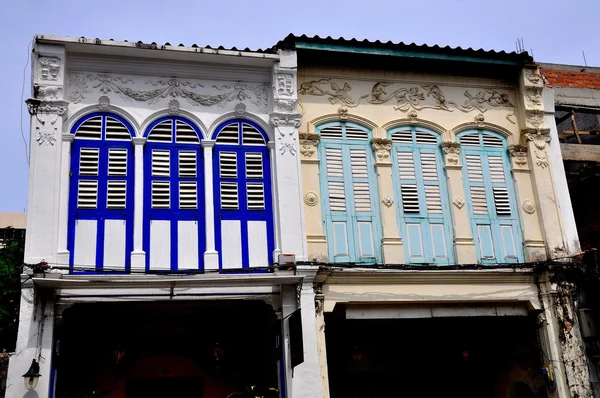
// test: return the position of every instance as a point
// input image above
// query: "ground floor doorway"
(478, 357)
(178, 349)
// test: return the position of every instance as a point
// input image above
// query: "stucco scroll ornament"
(542, 160)
(458, 202)
(485, 99)
(49, 68)
(451, 150)
(528, 206)
(308, 143)
(382, 148)
(37, 107)
(311, 199)
(519, 154)
(388, 201)
(539, 137)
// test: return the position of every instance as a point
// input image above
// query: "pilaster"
(321, 342)
(309, 159)
(285, 121)
(391, 244)
(138, 256)
(211, 257)
(62, 255)
(464, 245)
(533, 243)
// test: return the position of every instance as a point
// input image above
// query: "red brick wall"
(567, 78)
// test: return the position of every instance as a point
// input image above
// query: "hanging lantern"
(32, 376)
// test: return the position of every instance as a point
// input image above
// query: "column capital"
(451, 151)
(382, 148)
(279, 119)
(138, 140)
(518, 154)
(308, 143)
(207, 143)
(55, 107)
(538, 136)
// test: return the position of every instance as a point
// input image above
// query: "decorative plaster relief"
(528, 206)
(48, 137)
(535, 117)
(388, 201)
(533, 95)
(285, 105)
(79, 86)
(480, 120)
(539, 137)
(49, 68)
(37, 108)
(287, 139)
(413, 116)
(174, 107)
(542, 160)
(311, 199)
(407, 98)
(533, 76)
(343, 112)
(519, 154)
(103, 103)
(382, 148)
(47, 92)
(458, 202)
(308, 143)
(451, 150)
(285, 84)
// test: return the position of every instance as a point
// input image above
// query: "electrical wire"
(21, 105)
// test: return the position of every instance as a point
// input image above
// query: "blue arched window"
(174, 227)
(101, 193)
(242, 189)
(490, 190)
(421, 196)
(348, 184)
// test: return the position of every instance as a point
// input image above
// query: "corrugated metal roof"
(296, 42)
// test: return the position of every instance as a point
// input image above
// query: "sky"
(556, 31)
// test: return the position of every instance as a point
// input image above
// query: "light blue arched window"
(101, 193)
(244, 234)
(349, 193)
(491, 197)
(174, 227)
(421, 194)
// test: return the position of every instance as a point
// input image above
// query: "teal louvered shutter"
(348, 184)
(422, 197)
(494, 218)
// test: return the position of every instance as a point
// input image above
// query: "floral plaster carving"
(82, 83)
(49, 68)
(48, 137)
(407, 98)
(535, 117)
(458, 202)
(308, 143)
(542, 160)
(311, 199)
(287, 139)
(382, 148)
(519, 154)
(452, 150)
(528, 206)
(539, 137)
(388, 201)
(103, 103)
(174, 107)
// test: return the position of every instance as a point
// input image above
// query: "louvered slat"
(429, 166)
(410, 198)
(251, 136)
(162, 132)
(91, 129)
(423, 137)
(117, 162)
(471, 139)
(87, 194)
(188, 195)
(187, 164)
(160, 163)
(358, 163)
(433, 199)
(332, 132)
(228, 164)
(337, 195)
(474, 169)
(116, 193)
(229, 135)
(496, 169)
(492, 141)
(88, 161)
(115, 130)
(356, 134)
(478, 199)
(229, 195)
(362, 196)
(501, 201)
(406, 166)
(254, 166)
(334, 162)
(255, 194)
(161, 195)
(185, 134)
(404, 136)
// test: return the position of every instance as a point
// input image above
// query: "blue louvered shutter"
(490, 190)
(350, 205)
(422, 196)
